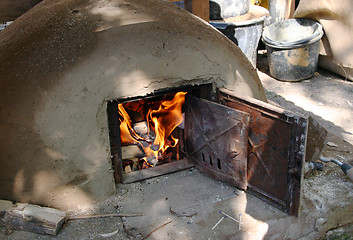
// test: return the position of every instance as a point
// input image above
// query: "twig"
(179, 214)
(220, 220)
(235, 220)
(106, 215)
(223, 213)
(239, 227)
(145, 237)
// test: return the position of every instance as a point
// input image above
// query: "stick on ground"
(181, 215)
(106, 215)
(145, 237)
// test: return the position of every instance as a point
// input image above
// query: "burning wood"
(127, 168)
(154, 133)
(141, 128)
(132, 151)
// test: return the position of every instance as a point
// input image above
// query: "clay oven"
(63, 61)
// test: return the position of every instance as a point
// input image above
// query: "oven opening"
(147, 133)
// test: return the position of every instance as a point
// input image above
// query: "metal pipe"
(346, 168)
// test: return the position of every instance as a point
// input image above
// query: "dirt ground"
(186, 204)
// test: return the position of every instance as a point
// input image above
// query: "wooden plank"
(157, 171)
(201, 8)
(290, 9)
(34, 218)
(131, 151)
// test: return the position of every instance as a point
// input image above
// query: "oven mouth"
(130, 161)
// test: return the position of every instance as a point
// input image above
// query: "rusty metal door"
(276, 151)
(216, 140)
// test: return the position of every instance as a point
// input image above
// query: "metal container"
(245, 34)
(220, 9)
(293, 48)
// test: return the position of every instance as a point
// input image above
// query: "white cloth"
(336, 17)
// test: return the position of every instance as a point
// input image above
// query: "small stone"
(331, 144)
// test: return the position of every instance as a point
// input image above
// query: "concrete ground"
(327, 96)
(188, 202)
(329, 99)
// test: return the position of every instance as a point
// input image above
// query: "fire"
(161, 122)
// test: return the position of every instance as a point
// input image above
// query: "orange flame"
(166, 119)
(163, 121)
(127, 134)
